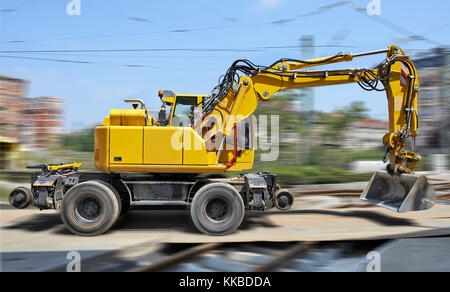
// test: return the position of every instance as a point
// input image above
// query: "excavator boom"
(396, 76)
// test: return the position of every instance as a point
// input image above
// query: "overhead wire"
(21, 5)
(131, 50)
(97, 63)
(184, 30)
(387, 23)
(69, 61)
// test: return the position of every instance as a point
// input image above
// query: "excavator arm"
(233, 101)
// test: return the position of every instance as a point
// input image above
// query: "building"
(365, 134)
(34, 122)
(45, 117)
(434, 103)
(12, 102)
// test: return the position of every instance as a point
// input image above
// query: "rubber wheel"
(123, 205)
(90, 208)
(217, 209)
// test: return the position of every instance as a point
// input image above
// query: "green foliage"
(342, 157)
(336, 124)
(83, 142)
(16, 177)
(297, 175)
(4, 193)
(354, 112)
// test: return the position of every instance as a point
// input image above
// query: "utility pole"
(307, 99)
(445, 99)
(307, 51)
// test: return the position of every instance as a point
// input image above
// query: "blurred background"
(65, 64)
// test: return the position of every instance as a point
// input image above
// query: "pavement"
(415, 255)
(33, 240)
(316, 219)
(9, 185)
(37, 240)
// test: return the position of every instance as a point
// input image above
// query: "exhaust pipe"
(283, 200)
(20, 198)
(399, 193)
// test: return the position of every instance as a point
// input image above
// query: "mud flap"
(399, 193)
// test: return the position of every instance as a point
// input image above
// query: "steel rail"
(281, 259)
(357, 192)
(177, 258)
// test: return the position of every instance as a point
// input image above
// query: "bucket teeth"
(399, 193)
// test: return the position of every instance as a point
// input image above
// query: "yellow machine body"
(129, 141)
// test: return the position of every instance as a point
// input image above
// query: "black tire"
(90, 208)
(116, 193)
(124, 205)
(20, 198)
(217, 209)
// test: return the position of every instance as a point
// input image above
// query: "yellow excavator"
(168, 158)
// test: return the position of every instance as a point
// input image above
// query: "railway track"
(265, 257)
(178, 258)
(353, 193)
(262, 257)
(266, 263)
(248, 257)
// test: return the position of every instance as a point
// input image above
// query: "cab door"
(194, 150)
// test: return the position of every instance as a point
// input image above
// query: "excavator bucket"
(399, 193)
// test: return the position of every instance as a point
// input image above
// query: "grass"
(54, 157)
(298, 175)
(4, 193)
(16, 178)
(7, 177)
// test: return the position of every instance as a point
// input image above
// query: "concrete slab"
(31, 230)
(416, 255)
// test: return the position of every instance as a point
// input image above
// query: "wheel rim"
(19, 199)
(283, 201)
(88, 210)
(218, 209)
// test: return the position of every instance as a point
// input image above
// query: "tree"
(83, 142)
(336, 124)
(354, 112)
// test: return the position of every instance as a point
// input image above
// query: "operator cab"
(178, 110)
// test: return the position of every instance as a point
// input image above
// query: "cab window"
(183, 111)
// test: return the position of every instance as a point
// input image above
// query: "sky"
(185, 46)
